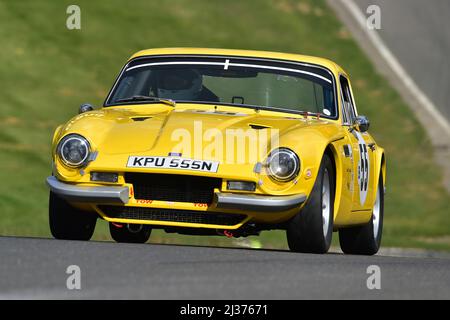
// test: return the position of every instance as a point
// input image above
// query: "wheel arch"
(331, 151)
(383, 168)
(380, 169)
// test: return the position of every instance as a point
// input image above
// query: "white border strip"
(175, 63)
(396, 67)
(225, 64)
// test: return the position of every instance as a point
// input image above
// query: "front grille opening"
(171, 215)
(171, 187)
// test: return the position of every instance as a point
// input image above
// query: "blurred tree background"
(47, 71)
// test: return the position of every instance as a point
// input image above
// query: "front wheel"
(311, 230)
(68, 223)
(130, 233)
(366, 239)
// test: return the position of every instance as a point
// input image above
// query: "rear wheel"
(366, 239)
(130, 233)
(311, 230)
(68, 223)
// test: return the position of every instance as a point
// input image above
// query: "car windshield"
(243, 82)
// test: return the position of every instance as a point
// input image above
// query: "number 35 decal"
(363, 168)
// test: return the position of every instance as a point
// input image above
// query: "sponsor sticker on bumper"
(172, 163)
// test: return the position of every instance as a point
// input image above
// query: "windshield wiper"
(307, 114)
(147, 98)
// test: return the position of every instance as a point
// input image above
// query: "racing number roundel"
(363, 168)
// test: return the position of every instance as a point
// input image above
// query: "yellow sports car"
(222, 142)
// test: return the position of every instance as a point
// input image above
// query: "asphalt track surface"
(418, 34)
(33, 268)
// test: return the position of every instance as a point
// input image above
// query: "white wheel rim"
(376, 215)
(326, 202)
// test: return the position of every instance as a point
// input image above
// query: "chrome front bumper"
(120, 195)
(88, 194)
(262, 203)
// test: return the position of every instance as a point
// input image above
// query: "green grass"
(47, 71)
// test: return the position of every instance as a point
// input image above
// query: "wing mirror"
(361, 123)
(85, 107)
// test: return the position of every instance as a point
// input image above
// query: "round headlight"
(283, 164)
(74, 150)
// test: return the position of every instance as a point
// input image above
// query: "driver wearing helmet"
(183, 84)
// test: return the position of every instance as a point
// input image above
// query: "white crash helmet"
(179, 84)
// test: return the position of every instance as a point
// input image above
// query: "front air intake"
(171, 215)
(172, 187)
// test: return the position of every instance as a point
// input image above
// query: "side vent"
(258, 126)
(140, 118)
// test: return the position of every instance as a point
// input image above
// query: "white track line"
(396, 67)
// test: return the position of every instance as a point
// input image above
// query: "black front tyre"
(68, 223)
(366, 239)
(133, 233)
(311, 230)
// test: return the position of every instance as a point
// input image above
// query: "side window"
(348, 108)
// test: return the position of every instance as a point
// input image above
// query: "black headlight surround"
(293, 174)
(63, 142)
